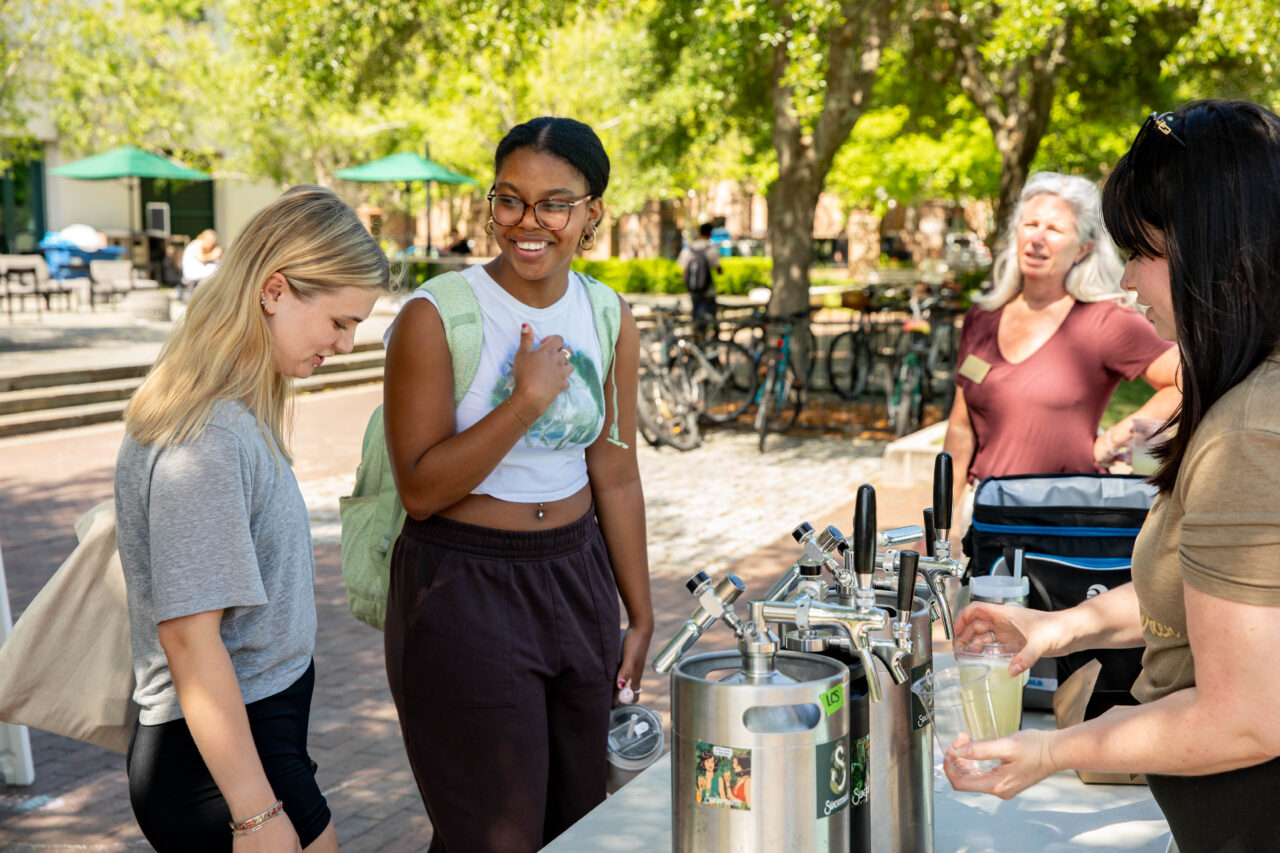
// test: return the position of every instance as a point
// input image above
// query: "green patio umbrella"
(127, 162)
(406, 166)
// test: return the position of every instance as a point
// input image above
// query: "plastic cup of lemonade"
(1005, 689)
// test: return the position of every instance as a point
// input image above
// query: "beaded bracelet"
(256, 822)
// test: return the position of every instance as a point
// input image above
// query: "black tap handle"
(864, 531)
(695, 583)
(909, 563)
(942, 491)
(930, 533)
(802, 530)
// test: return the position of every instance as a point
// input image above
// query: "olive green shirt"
(1218, 530)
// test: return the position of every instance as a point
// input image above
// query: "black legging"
(1232, 812)
(175, 800)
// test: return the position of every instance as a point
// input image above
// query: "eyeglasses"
(551, 213)
(1160, 121)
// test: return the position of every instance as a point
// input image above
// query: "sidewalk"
(722, 507)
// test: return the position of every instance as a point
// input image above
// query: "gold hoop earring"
(488, 227)
(587, 241)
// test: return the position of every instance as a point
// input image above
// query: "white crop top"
(547, 463)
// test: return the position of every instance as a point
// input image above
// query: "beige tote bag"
(67, 667)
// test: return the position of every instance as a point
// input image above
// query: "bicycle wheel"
(787, 401)
(767, 401)
(942, 346)
(666, 418)
(849, 364)
(909, 405)
(648, 419)
(729, 385)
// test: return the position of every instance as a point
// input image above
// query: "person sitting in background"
(1042, 353)
(200, 259)
(458, 245)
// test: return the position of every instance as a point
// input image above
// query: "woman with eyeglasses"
(1196, 205)
(526, 516)
(1042, 353)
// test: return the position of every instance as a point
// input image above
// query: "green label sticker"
(833, 699)
(833, 775)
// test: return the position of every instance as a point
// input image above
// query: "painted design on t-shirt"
(573, 419)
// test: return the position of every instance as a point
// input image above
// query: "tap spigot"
(895, 652)
(943, 495)
(855, 622)
(713, 604)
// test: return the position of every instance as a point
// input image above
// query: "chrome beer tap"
(854, 621)
(938, 570)
(894, 652)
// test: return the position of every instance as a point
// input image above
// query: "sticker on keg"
(919, 713)
(841, 774)
(833, 699)
(722, 776)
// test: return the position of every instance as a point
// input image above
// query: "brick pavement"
(80, 800)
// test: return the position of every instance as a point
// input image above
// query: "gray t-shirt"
(216, 523)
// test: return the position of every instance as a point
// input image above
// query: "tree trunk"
(791, 210)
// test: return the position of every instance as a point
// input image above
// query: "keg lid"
(635, 735)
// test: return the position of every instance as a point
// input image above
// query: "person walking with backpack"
(697, 261)
(510, 410)
(215, 542)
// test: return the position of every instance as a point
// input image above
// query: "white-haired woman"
(215, 541)
(1042, 353)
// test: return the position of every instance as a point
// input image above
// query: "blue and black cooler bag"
(1076, 532)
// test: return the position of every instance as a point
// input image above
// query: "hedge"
(662, 275)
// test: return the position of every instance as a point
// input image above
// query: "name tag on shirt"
(974, 369)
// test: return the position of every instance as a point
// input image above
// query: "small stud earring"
(262, 299)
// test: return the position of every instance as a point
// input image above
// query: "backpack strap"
(607, 311)
(460, 313)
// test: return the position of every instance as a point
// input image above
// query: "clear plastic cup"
(1005, 689)
(960, 709)
(1145, 436)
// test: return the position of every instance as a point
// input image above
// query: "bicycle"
(665, 413)
(780, 396)
(718, 374)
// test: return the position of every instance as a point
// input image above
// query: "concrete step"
(363, 355)
(910, 459)
(21, 423)
(64, 396)
(43, 409)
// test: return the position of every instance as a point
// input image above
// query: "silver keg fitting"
(853, 621)
(825, 547)
(899, 536)
(713, 603)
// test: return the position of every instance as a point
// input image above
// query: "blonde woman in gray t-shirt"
(215, 542)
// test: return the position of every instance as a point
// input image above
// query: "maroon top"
(1041, 416)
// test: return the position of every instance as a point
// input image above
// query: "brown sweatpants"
(501, 652)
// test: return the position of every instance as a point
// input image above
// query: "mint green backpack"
(372, 515)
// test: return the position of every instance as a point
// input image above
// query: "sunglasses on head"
(1160, 121)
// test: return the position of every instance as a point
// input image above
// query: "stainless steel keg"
(901, 788)
(764, 762)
